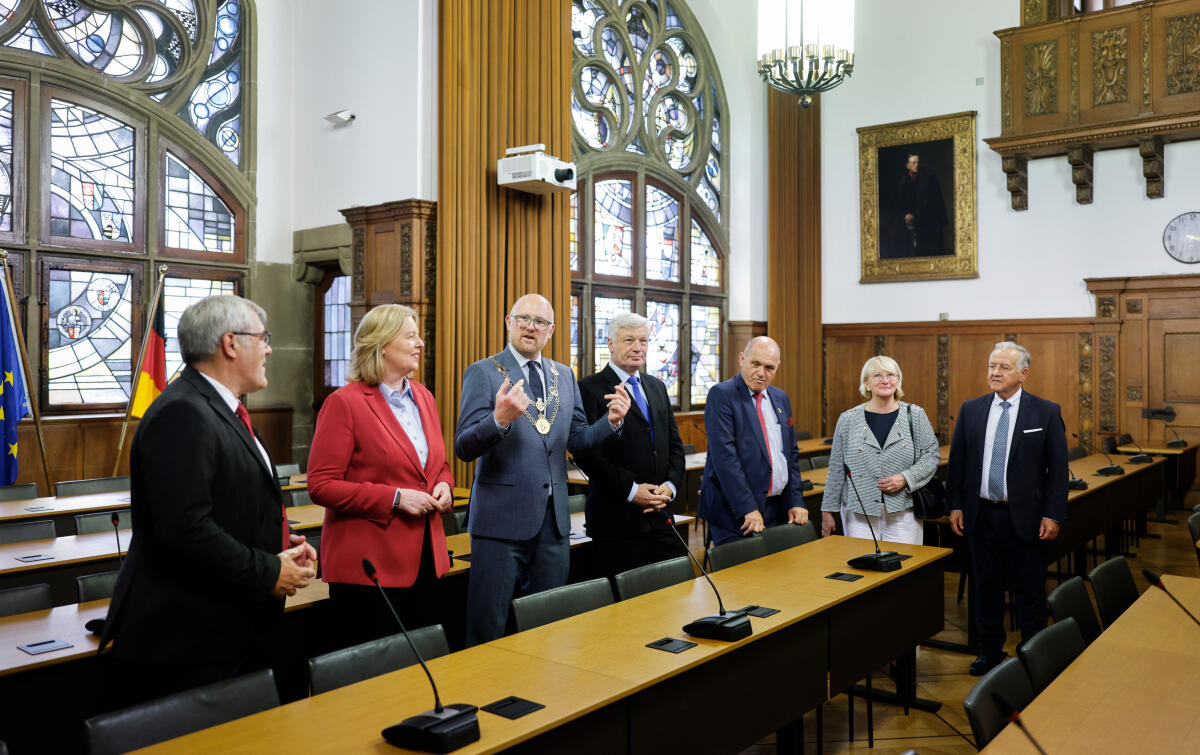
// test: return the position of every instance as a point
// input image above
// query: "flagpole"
(19, 338)
(137, 372)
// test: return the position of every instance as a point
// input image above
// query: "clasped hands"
(296, 567)
(419, 503)
(650, 498)
(512, 401)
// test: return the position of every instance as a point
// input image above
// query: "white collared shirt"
(990, 435)
(779, 465)
(624, 377)
(404, 408)
(232, 402)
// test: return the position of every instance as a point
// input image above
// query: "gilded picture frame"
(918, 215)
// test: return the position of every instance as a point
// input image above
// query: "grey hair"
(203, 323)
(1023, 360)
(626, 321)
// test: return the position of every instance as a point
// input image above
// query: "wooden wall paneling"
(917, 356)
(691, 429)
(1175, 344)
(844, 358)
(1054, 372)
(1132, 364)
(740, 333)
(968, 373)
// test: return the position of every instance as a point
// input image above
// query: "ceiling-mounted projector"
(530, 169)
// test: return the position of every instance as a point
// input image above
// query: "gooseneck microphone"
(879, 560)
(725, 625)
(1141, 457)
(116, 523)
(1073, 482)
(1156, 580)
(1111, 469)
(443, 729)
(1009, 711)
(1178, 442)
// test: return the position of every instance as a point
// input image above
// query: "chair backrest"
(96, 586)
(449, 523)
(531, 611)
(182, 713)
(374, 658)
(986, 714)
(1076, 452)
(651, 577)
(1193, 524)
(19, 492)
(300, 498)
(804, 464)
(1124, 438)
(689, 448)
(820, 461)
(95, 485)
(576, 503)
(1051, 650)
(19, 532)
(1108, 444)
(287, 470)
(803, 435)
(736, 552)
(16, 600)
(1070, 600)
(784, 536)
(1115, 590)
(101, 521)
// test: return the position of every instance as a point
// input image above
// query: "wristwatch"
(396, 501)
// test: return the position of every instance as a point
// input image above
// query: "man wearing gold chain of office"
(519, 414)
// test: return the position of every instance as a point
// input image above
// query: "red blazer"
(360, 455)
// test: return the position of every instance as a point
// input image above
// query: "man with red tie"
(211, 559)
(752, 475)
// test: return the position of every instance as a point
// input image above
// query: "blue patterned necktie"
(999, 455)
(536, 387)
(636, 390)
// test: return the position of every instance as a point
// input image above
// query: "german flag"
(153, 378)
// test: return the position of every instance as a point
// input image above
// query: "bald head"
(759, 361)
(530, 325)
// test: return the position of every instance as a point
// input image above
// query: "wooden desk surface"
(63, 550)
(1085, 469)
(1153, 447)
(1133, 690)
(40, 508)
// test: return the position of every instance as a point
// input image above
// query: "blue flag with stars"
(14, 402)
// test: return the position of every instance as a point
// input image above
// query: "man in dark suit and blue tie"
(632, 479)
(1007, 489)
(752, 475)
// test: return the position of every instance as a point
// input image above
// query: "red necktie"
(244, 416)
(762, 422)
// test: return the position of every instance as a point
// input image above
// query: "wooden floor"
(942, 675)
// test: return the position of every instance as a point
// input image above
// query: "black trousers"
(999, 557)
(613, 556)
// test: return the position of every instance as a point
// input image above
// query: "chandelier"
(805, 46)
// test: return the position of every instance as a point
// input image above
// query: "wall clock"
(1181, 238)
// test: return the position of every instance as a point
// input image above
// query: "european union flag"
(14, 401)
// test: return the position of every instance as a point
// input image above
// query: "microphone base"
(885, 561)
(1076, 484)
(1111, 469)
(806, 485)
(728, 628)
(431, 731)
(1141, 459)
(1179, 443)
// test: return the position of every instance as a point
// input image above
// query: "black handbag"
(929, 502)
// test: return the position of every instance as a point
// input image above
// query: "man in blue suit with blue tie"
(519, 414)
(752, 475)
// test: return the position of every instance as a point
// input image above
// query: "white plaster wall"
(274, 179)
(919, 58)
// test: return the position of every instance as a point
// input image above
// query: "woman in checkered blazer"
(876, 441)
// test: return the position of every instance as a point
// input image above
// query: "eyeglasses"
(264, 336)
(526, 320)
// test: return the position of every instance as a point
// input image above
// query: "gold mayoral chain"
(541, 424)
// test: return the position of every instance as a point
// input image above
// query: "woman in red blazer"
(378, 466)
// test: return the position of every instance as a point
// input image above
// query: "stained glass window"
(573, 219)
(575, 335)
(30, 39)
(706, 265)
(178, 295)
(91, 174)
(706, 350)
(209, 107)
(604, 309)
(662, 225)
(338, 337)
(88, 336)
(6, 160)
(195, 216)
(662, 358)
(613, 228)
(106, 42)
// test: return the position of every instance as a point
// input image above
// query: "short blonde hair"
(378, 328)
(875, 364)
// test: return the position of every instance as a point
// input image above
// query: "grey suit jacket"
(518, 470)
(854, 445)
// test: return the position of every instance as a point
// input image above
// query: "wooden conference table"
(1133, 690)
(1179, 470)
(605, 692)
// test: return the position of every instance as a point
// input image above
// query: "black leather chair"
(1008, 681)
(101, 521)
(299, 498)
(804, 464)
(1124, 438)
(1050, 651)
(1193, 524)
(374, 658)
(20, 532)
(19, 492)
(576, 503)
(531, 611)
(16, 600)
(1070, 600)
(181, 713)
(689, 448)
(95, 485)
(96, 586)
(803, 435)
(1076, 452)
(450, 523)
(1108, 444)
(820, 461)
(287, 470)
(784, 536)
(736, 552)
(1115, 590)
(651, 577)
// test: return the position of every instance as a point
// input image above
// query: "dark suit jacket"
(737, 474)
(207, 525)
(630, 458)
(1037, 463)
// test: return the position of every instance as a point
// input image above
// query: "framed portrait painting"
(917, 180)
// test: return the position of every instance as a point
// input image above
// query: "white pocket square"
(1035, 430)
